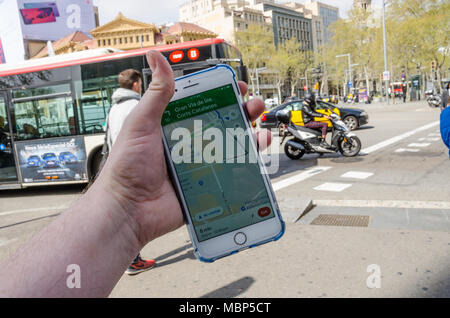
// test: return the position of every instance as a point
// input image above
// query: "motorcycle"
(433, 100)
(306, 141)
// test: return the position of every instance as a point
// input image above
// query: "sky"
(161, 11)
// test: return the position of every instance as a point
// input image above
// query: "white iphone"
(226, 196)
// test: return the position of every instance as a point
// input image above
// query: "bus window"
(94, 91)
(96, 100)
(43, 116)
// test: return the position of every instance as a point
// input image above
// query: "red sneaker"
(140, 266)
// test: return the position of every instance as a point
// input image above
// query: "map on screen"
(225, 194)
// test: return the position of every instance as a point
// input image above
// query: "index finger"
(255, 107)
(243, 88)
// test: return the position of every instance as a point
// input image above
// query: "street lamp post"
(349, 67)
(386, 82)
(258, 93)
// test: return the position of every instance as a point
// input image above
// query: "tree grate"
(342, 220)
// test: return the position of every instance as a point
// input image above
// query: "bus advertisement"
(53, 110)
(61, 159)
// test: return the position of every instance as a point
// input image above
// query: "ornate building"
(184, 31)
(125, 34)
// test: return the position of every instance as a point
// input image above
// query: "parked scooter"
(433, 100)
(307, 141)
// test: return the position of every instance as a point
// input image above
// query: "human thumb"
(161, 89)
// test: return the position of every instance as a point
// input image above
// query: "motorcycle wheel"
(293, 153)
(351, 147)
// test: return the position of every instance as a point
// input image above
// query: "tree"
(298, 61)
(421, 31)
(256, 46)
(418, 32)
(279, 63)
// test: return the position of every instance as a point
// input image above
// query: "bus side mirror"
(242, 73)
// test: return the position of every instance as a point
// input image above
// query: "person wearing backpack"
(125, 99)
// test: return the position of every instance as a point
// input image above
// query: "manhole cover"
(341, 220)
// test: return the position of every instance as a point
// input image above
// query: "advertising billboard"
(51, 21)
(52, 160)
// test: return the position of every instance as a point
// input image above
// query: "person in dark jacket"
(309, 113)
(445, 96)
(404, 90)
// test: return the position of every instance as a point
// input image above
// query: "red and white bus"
(53, 110)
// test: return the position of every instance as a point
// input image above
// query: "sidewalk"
(309, 261)
(383, 103)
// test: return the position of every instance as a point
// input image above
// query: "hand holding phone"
(136, 170)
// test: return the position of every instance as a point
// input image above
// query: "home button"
(240, 238)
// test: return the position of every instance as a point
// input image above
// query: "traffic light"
(433, 66)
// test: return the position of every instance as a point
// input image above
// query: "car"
(67, 157)
(271, 102)
(353, 118)
(50, 160)
(34, 161)
(328, 99)
(291, 99)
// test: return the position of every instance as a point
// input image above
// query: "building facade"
(75, 42)
(222, 17)
(287, 23)
(125, 34)
(326, 14)
(363, 4)
(308, 23)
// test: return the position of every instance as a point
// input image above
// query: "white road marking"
(437, 205)
(357, 175)
(407, 150)
(420, 145)
(4, 242)
(393, 140)
(298, 178)
(429, 139)
(434, 135)
(333, 187)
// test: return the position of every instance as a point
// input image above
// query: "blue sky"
(160, 11)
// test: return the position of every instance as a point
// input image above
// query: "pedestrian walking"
(404, 90)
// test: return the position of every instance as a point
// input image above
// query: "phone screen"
(215, 163)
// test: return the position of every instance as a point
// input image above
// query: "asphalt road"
(398, 186)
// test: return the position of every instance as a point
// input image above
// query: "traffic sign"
(386, 76)
(350, 84)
